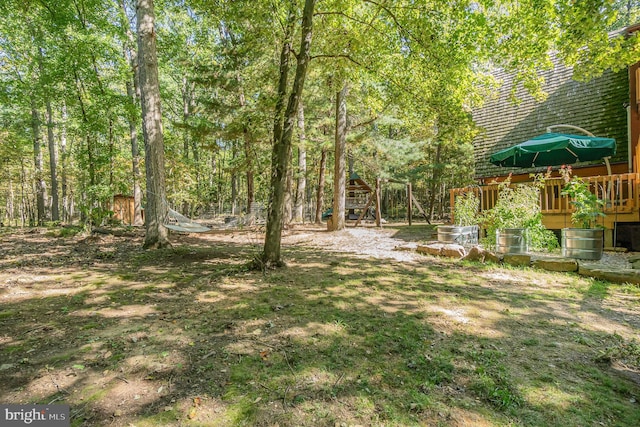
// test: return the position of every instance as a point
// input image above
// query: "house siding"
(597, 106)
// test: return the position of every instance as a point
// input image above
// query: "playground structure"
(361, 198)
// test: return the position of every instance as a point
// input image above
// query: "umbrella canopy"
(553, 149)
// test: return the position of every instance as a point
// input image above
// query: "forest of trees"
(258, 96)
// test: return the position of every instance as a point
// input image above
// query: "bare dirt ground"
(385, 243)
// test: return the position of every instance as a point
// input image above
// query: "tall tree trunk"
(301, 181)
(248, 154)
(26, 213)
(249, 173)
(234, 181)
(196, 157)
(436, 177)
(10, 203)
(282, 135)
(51, 143)
(135, 155)
(90, 160)
(157, 235)
(219, 181)
(53, 164)
(288, 191)
(186, 112)
(112, 151)
(85, 121)
(339, 176)
(40, 185)
(66, 213)
(133, 93)
(321, 180)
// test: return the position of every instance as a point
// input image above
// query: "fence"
(619, 192)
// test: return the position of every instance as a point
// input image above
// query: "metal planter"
(511, 241)
(583, 243)
(461, 235)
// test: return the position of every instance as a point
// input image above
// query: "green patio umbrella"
(553, 149)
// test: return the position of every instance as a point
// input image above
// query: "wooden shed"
(124, 209)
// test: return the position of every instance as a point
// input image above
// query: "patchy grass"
(190, 336)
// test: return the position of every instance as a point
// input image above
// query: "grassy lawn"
(189, 336)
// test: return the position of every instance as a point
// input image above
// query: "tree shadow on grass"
(191, 335)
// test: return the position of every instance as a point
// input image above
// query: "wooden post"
(419, 207)
(366, 208)
(409, 202)
(378, 213)
(452, 203)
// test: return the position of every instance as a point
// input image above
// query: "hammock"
(178, 222)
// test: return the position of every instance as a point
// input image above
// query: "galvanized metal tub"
(582, 243)
(461, 235)
(511, 241)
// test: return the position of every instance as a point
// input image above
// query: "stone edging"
(558, 264)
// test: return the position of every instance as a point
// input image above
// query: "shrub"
(587, 206)
(466, 208)
(518, 206)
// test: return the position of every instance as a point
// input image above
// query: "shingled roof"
(597, 106)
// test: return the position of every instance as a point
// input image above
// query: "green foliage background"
(416, 71)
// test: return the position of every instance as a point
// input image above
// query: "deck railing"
(620, 194)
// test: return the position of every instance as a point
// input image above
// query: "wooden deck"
(619, 191)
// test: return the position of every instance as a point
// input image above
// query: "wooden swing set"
(360, 197)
